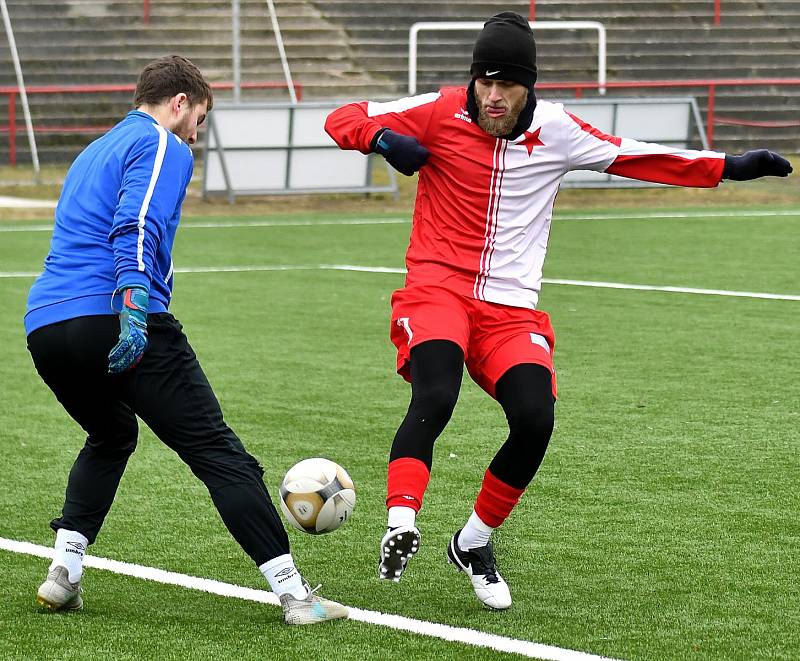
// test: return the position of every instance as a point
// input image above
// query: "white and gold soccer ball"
(317, 496)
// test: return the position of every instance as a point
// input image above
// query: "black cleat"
(397, 547)
(479, 564)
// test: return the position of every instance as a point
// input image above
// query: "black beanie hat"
(505, 50)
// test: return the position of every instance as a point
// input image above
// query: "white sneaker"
(479, 564)
(310, 610)
(57, 593)
(398, 546)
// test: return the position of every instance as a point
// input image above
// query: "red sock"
(406, 483)
(495, 500)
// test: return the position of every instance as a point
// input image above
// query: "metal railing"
(12, 92)
(717, 11)
(710, 84)
(475, 26)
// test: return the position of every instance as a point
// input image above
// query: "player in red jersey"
(490, 158)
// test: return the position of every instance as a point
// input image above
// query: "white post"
(26, 111)
(601, 58)
(279, 40)
(237, 52)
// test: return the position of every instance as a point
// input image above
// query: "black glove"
(403, 152)
(755, 164)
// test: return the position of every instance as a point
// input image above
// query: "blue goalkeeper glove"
(755, 164)
(133, 330)
(402, 152)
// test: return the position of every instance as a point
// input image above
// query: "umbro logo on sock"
(77, 548)
(288, 573)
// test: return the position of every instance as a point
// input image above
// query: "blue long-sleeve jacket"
(115, 223)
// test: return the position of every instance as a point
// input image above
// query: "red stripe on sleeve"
(597, 133)
(670, 169)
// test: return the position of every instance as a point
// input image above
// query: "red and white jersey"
(484, 204)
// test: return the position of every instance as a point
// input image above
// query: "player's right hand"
(402, 152)
(133, 330)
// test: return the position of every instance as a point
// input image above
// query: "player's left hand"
(754, 164)
(133, 330)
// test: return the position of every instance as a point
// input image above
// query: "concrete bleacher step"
(647, 40)
(359, 49)
(201, 30)
(79, 42)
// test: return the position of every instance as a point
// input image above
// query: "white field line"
(604, 285)
(238, 224)
(678, 215)
(665, 215)
(19, 274)
(27, 228)
(386, 269)
(675, 290)
(399, 622)
(25, 203)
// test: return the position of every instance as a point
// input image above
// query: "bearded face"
(500, 103)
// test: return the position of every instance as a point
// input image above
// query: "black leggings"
(524, 391)
(170, 393)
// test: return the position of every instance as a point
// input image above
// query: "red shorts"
(493, 337)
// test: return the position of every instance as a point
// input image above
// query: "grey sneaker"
(398, 546)
(57, 593)
(310, 610)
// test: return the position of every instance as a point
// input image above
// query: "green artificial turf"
(661, 526)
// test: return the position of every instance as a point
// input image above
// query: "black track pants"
(170, 393)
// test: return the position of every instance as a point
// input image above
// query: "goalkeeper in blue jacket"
(102, 339)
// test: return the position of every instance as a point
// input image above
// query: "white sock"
(402, 516)
(475, 534)
(69, 550)
(283, 576)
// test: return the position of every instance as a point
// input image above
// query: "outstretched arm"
(594, 150)
(702, 169)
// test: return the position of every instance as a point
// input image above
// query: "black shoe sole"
(395, 557)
